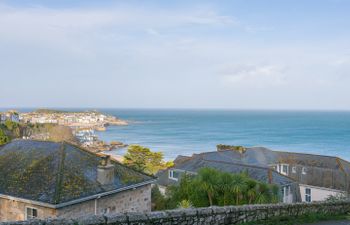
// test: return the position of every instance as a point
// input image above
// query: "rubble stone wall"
(210, 216)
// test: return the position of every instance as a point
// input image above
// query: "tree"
(159, 202)
(144, 160)
(212, 187)
(251, 191)
(207, 178)
(3, 137)
(10, 125)
(225, 188)
(239, 186)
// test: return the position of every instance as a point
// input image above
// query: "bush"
(3, 137)
(159, 202)
(213, 187)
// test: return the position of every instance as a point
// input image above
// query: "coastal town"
(258, 175)
(82, 125)
(81, 120)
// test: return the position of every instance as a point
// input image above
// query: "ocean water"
(184, 132)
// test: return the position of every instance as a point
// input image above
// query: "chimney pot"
(105, 171)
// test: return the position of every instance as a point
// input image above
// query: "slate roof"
(324, 171)
(55, 173)
(262, 156)
(222, 161)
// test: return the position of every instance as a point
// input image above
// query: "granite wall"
(210, 216)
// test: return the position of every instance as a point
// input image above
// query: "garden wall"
(211, 215)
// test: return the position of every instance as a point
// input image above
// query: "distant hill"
(49, 111)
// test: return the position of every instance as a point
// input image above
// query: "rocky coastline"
(82, 124)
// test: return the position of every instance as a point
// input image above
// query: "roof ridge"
(59, 177)
(300, 153)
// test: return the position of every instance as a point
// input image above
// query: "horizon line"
(179, 108)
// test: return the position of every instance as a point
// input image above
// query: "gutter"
(76, 201)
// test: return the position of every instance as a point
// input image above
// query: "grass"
(306, 219)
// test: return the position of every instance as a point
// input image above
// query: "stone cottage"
(46, 179)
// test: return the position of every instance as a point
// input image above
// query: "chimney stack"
(105, 171)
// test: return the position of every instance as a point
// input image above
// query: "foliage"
(184, 204)
(49, 111)
(159, 202)
(10, 125)
(144, 160)
(238, 148)
(3, 137)
(213, 187)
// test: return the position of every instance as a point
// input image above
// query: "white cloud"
(260, 76)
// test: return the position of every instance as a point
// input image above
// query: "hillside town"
(89, 119)
(82, 125)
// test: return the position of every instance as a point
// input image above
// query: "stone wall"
(210, 216)
(137, 200)
(12, 210)
(134, 200)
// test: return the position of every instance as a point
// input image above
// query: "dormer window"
(285, 168)
(282, 168)
(303, 170)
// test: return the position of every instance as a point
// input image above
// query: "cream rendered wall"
(319, 193)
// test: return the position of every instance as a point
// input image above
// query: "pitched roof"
(264, 156)
(223, 161)
(255, 172)
(55, 173)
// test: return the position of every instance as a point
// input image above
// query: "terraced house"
(47, 179)
(301, 177)
(225, 161)
(319, 176)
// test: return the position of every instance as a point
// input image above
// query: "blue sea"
(184, 132)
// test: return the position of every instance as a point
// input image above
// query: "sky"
(227, 54)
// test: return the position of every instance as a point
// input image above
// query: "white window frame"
(303, 170)
(308, 195)
(294, 169)
(171, 175)
(280, 169)
(286, 191)
(28, 217)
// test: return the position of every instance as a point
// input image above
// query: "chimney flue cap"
(105, 160)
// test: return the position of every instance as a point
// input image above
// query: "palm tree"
(239, 185)
(207, 178)
(264, 195)
(225, 185)
(251, 191)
